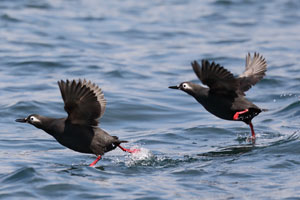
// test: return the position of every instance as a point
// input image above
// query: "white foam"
(142, 157)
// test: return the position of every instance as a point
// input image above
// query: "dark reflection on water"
(134, 50)
(229, 151)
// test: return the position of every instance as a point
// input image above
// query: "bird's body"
(85, 104)
(221, 105)
(93, 141)
(225, 97)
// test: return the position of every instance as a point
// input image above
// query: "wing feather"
(216, 77)
(255, 70)
(84, 101)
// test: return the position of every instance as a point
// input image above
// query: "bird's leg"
(129, 150)
(237, 114)
(95, 161)
(252, 131)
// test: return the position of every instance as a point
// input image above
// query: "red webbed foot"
(129, 150)
(236, 116)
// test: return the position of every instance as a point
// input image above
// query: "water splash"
(241, 138)
(146, 158)
(143, 157)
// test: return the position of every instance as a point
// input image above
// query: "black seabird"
(225, 97)
(85, 105)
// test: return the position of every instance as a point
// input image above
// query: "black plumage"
(85, 104)
(225, 95)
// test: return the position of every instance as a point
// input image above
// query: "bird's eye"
(184, 85)
(33, 119)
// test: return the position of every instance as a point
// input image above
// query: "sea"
(134, 50)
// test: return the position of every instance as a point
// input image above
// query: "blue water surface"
(134, 50)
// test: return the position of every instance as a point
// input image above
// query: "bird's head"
(33, 119)
(187, 87)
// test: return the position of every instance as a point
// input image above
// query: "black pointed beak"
(174, 87)
(23, 120)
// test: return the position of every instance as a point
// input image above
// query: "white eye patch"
(34, 119)
(186, 86)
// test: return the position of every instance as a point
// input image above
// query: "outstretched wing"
(84, 101)
(216, 77)
(254, 72)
